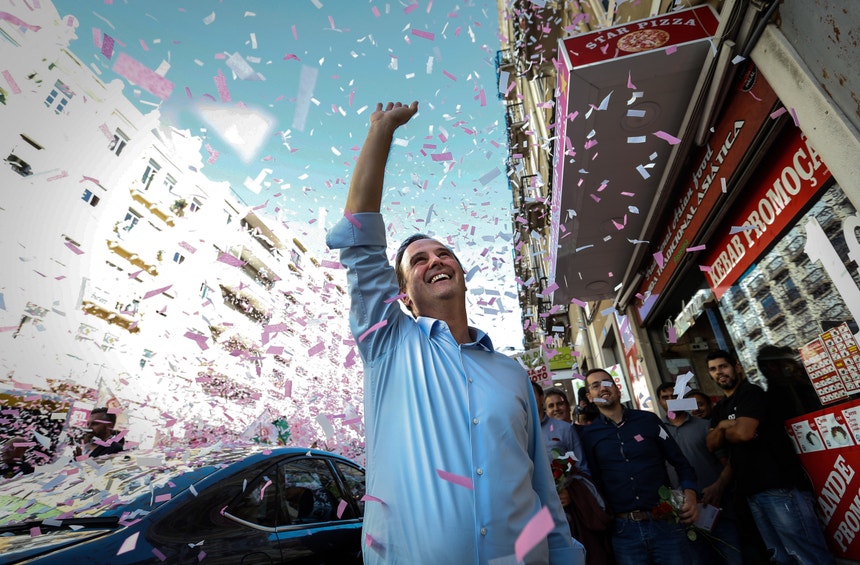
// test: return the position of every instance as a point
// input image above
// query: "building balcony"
(157, 209)
(119, 247)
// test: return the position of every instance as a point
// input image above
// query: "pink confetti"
(341, 506)
(316, 349)
(158, 554)
(265, 486)
(221, 85)
(375, 11)
(638, 437)
(162, 497)
(371, 498)
(230, 260)
(156, 292)
(200, 339)
(578, 302)
(77, 250)
(449, 75)
(456, 479)
(442, 156)
(144, 45)
(372, 329)
(395, 298)
(35, 531)
(408, 9)
(696, 248)
(550, 289)
(777, 113)
(11, 82)
(794, 117)
(352, 219)
(14, 20)
(137, 73)
(630, 84)
(535, 531)
(673, 334)
(424, 34)
(659, 258)
(671, 139)
(129, 544)
(671, 49)
(705, 268)
(107, 46)
(671, 415)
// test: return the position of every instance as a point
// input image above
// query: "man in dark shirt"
(627, 452)
(765, 466)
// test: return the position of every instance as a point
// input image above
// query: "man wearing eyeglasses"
(627, 451)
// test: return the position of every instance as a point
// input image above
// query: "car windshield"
(127, 485)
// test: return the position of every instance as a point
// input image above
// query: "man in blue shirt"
(559, 435)
(456, 465)
(627, 451)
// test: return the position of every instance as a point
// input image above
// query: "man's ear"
(406, 301)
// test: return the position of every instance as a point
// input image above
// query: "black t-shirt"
(769, 460)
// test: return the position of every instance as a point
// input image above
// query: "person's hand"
(564, 496)
(713, 494)
(689, 512)
(394, 115)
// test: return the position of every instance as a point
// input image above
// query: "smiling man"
(765, 465)
(456, 465)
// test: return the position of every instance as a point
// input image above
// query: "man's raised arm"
(365, 188)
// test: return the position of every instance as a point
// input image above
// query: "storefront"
(766, 266)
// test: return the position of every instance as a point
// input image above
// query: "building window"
(195, 205)
(59, 97)
(19, 165)
(90, 198)
(178, 258)
(204, 290)
(131, 219)
(118, 142)
(149, 173)
(169, 183)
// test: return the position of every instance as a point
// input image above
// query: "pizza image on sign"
(643, 40)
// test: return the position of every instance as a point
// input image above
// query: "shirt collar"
(481, 339)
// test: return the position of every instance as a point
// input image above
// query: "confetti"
(535, 531)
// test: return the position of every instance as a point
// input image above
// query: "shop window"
(118, 142)
(90, 198)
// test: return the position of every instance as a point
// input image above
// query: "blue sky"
(439, 52)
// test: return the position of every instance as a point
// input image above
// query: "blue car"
(246, 506)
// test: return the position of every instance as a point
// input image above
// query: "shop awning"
(623, 94)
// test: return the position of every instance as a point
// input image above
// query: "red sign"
(828, 442)
(750, 107)
(645, 35)
(771, 202)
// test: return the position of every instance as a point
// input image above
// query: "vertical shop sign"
(828, 443)
(832, 361)
(714, 167)
(642, 397)
(772, 201)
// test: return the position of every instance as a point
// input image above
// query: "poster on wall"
(535, 363)
(832, 361)
(832, 468)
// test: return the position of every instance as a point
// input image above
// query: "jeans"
(649, 541)
(789, 527)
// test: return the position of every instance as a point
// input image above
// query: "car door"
(321, 522)
(230, 522)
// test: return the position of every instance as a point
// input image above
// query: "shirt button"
(470, 379)
(483, 531)
(480, 471)
(475, 421)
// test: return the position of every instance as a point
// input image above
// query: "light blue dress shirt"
(433, 405)
(559, 435)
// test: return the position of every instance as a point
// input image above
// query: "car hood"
(16, 547)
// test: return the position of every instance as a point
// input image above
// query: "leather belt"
(638, 516)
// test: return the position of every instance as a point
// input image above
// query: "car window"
(258, 502)
(310, 491)
(353, 477)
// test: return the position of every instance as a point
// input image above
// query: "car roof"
(113, 485)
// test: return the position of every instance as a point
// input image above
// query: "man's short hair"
(597, 370)
(722, 354)
(665, 386)
(556, 391)
(697, 392)
(398, 258)
(537, 388)
(107, 415)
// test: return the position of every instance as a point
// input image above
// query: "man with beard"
(765, 465)
(627, 451)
